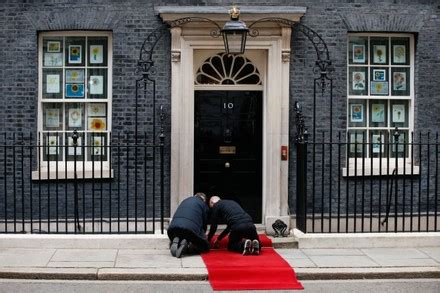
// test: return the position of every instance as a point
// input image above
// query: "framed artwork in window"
(379, 87)
(358, 53)
(52, 118)
(378, 113)
(96, 54)
(96, 84)
(96, 109)
(358, 83)
(399, 54)
(75, 118)
(53, 85)
(379, 74)
(377, 143)
(97, 124)
(357, 113)
(75, 54)
(74, 76)
(379, 54)
(98, 145)
(74, 90)
(53, 59)
(398, 111)
(53, 46)
(52, 143)
(399, 81)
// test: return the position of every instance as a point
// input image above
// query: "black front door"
(228, 147)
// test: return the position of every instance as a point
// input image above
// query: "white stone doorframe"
(275, 40)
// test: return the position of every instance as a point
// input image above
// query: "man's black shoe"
(255, 247)
(183, 248)
(174, 245)
(247, 247)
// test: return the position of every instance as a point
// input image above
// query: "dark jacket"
(230, 213)
(190, 222)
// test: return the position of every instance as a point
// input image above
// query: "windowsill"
(376, 169)
(62, 172)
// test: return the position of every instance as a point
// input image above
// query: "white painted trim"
(275, 115)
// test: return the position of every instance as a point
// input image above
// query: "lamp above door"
(234, 33)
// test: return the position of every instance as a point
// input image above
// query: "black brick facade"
(130, 22)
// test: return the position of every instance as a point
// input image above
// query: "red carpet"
(232, 271)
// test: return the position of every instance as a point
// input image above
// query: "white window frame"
(368, 166)
(63, 169)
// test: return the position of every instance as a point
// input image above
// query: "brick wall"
(131, 20)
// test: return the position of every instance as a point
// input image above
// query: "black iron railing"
(348, 184)
(63, 186)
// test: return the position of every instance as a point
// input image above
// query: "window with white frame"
(380, 91)
(75, 90)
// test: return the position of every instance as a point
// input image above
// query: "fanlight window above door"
(225, 69)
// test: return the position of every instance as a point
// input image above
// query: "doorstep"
(113, 241)
(366, 240)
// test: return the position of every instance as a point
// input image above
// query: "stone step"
(149, 241)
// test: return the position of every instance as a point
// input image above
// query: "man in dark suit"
(188, 226)
(243, 235)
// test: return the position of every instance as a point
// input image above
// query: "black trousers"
(239, 234)
(199, 242)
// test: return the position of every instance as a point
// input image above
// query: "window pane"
(97, 51)
(52, 83)
(358, 50)
(357, 110)
(378, 143)
(75, 51)
(97, 149)
(356, 141)
(401, 144)
(52, 150)
(52, 116)
(400, 77)
(358, 81)
(400, 51)
(97, 116)
(75, 152)
(74, 116)
(53, 52)
(97, 84)
(379, 50)
(378, 113)
(399, 113)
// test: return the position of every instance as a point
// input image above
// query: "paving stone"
(291, 253)
(81, 264)
(336, 251)
(343, 261)
(22, 257)
(300, 263)
(407, 262)
(393, 253)
(147, 261)
(84, 255)
(433, 252)
(193, 261)
(144, 251)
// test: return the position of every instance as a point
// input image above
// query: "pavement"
(159, 265)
